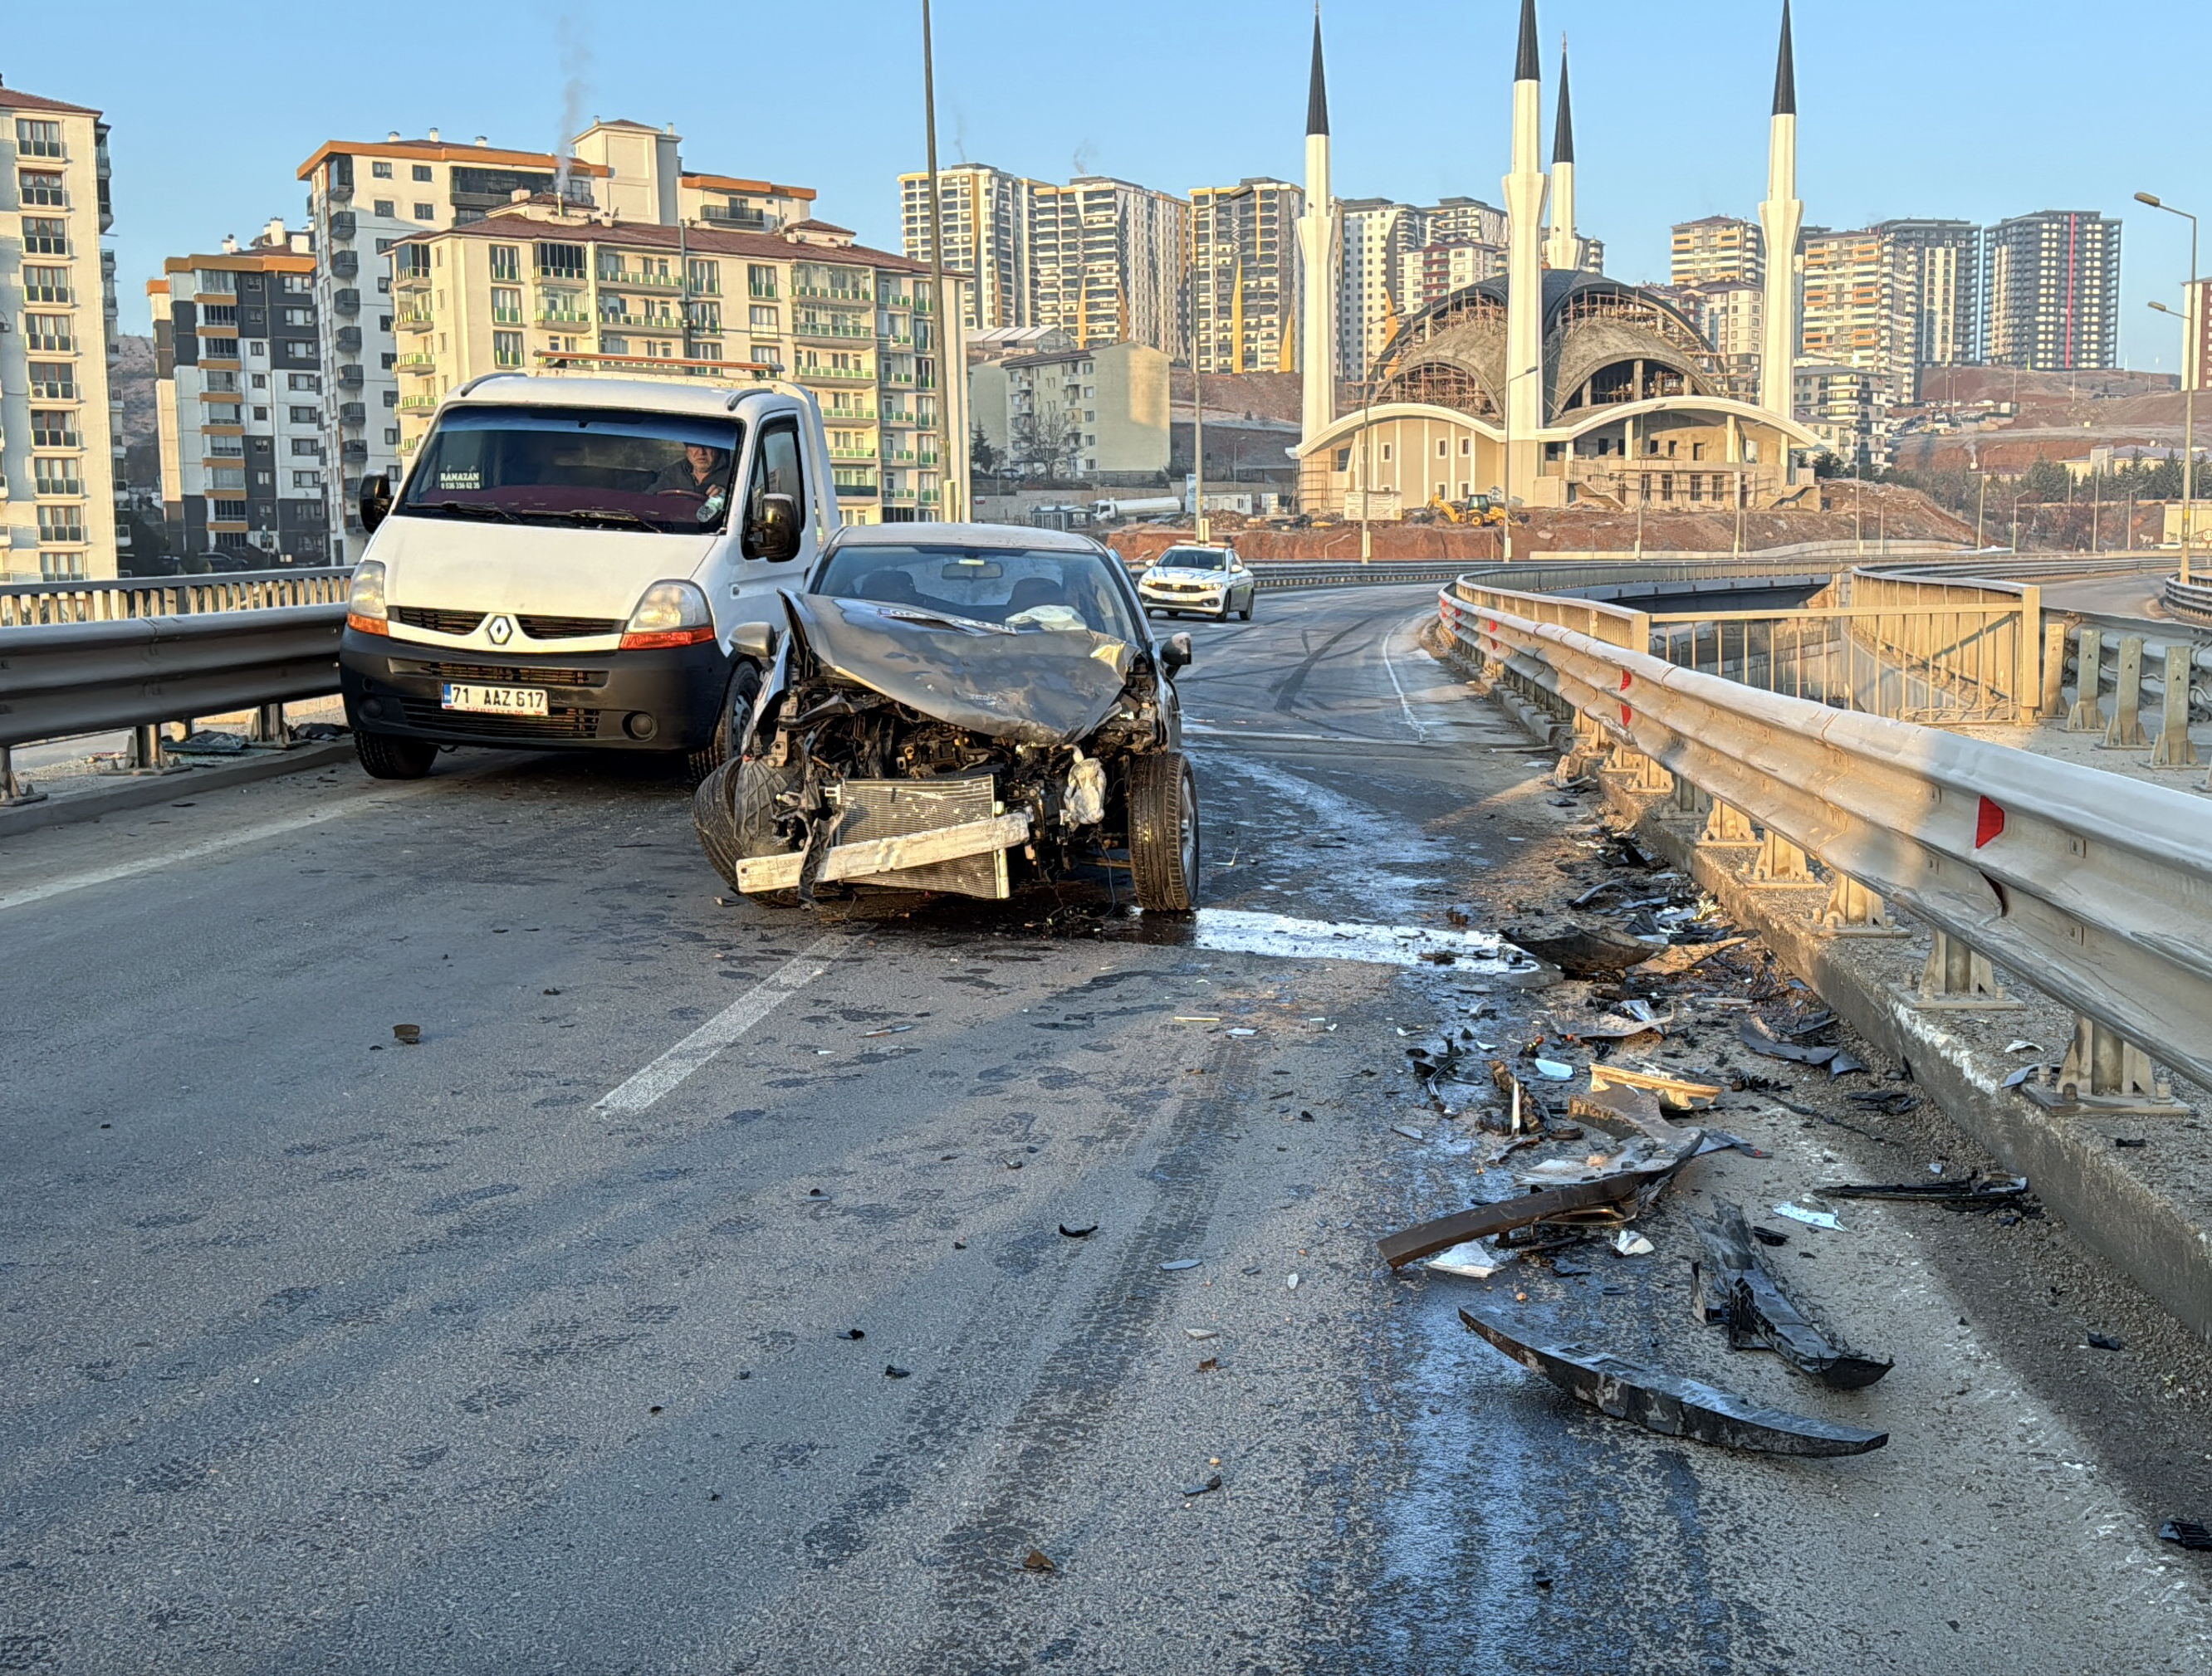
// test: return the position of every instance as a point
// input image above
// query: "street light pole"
(1198, 527)
(1508, 508)
(2192, 329)
(948, 496)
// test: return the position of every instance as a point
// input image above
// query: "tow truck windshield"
(658, 472)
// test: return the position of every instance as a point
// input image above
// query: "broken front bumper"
(908, 834)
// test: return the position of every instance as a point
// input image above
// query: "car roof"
(1010, 537)
(646, 395)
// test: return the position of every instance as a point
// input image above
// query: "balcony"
(346, 301)
(349, 377)
(343, 225)
(833, 375)
(850, 484)
(868, 454)
(414, 360)
(837, 329)
(411, 319)
(836, 299)
(353, 449)
(353, 413)
(744, 221)
(507, 317)
(344, 265)
(349, 340)
(561, 317)
(417, 403)
(633, 281)
(55, 389)
(848, 416)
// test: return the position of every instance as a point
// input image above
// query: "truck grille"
(568, 628)
(558, 724)
(438, 622)
(506, 674)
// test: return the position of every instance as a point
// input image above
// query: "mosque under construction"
(1557, 384)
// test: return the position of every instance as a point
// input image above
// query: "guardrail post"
(1957, 979)
(12, 790)
(2104, 1072)
(1781, 864)
(2087, 715)
(270, 731)
(1689, 805)
(2173, 749)
(1855, 911)
(147, 754)
(2054, 670)
(1727, 828)
(2028, 696)
(2125, 731)
(1645, 772)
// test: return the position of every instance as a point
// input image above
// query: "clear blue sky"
(1972, 108)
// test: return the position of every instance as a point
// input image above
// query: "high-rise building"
(59, 441)
(1435, 270)
(1375, 235)
(1464, 221)
(1245, 276)
(363, 199)
(542, 287)
(1938, 268)
(1717, 247)
(986, 215)
(2050, 292)
(1856, 307)
(1110, 258)
(239, 397)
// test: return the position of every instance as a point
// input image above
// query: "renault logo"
(502, 631)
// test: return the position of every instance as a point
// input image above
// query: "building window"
(226, 512)
(38, 139)
(310, 446)
(261, 413)
(703, 278)
(299, 285)
(220, 413)
(53, 381)
(506, 262)
(391, 398)
(763, 317)
(562, 261)
(760, 279)
(302, 416)
(299, 317)
(46, 285)
(310, 382)
(507, 348)
(422, 172)
(380, 170)
(306, 480)
(264, 480)
(385, 207)
(506, 306)
(424, 212)
(61, 523)
(55, 477)
(44, 236)
(41, 191)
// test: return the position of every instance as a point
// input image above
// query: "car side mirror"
(375, 500)
(1175, 652)
(755, 641)
(772, 532)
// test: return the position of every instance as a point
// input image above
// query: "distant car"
(1209, 581)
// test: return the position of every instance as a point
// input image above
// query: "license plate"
(495, 701)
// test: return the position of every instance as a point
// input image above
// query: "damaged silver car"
(963, 708)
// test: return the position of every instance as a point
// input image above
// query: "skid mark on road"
(648, 1085)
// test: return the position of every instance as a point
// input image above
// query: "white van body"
(534, 617)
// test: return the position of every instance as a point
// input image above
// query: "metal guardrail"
(2192, 602)
(24, 604)
(64, 679)
(2093, 888)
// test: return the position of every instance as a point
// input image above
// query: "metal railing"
(2192, 602)
(25, 605)
(2093, 888)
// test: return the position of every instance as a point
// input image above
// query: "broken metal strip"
(887, 855)
(1578, 1199)
(1760, 1315)
(1674, 1406)
(2096, 888)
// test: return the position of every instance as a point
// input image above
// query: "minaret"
(1779, 220)
(1563, 249)
(1523, 373)
(1317, 246)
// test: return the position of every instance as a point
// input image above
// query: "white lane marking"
(1391, 670)
(657, 1079)
(382, 797)
(1205, 730)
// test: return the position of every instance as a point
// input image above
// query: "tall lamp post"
(950, 495)
(2191, 371)
(1508, 508)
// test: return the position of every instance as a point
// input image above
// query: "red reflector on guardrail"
(1989, 824)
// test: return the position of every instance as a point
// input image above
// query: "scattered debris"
(2103, 1341)
(1036, 1560)
(1291, 1285)
(853, 1333)
(1408, 1131)
(1555, 1071)
(1437, 1060)
(890, 1372)
(1630, 1244)
(1769, 1236)
(410, 1035)
(889, 1029)
(1077, 1233)
(1890, 1101)
(2130, 1141)
(1212, 1364)
(1755, 1035)
(1473, 1258)
(1672, 961)
(1198, 1019)
(207, 742)
(1579, 947)
(1733, 1288)
(1967, 1193)
(1633, 1178)
(1674, 1406)
(1212, 1482)
(1202, 1332)
(1180, 1263)
(2186, 1531)
(1810, 1219)
(1674, 1090)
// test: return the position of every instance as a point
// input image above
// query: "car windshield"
(1194, 558)
(592, 468)
(1005, 584)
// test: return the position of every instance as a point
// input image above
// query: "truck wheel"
(1250, 600)
(392, 756)
(730, 731)
(734, 812)
(1163, 833)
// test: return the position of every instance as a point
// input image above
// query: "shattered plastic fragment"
(1734, 1287)
(1180, 1263)
(1810, 1219)
(1474, 1259)
(1078, 1233)
(1408, 1131)
(1036, 1560)
(1674, 1406)
(1966, 1192)
(1637, 1179)
(2186, 1532)
(1630, 1244)
(1202, 1332)
(1212, 1482)
(1555, 1071)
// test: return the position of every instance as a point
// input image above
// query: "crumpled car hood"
(1043, 687)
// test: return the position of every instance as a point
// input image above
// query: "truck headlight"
(365, 610)
(669, 614)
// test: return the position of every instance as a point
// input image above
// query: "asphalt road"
(562, 1341)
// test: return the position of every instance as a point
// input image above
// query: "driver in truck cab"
(698, 470)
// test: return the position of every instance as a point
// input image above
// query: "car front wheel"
(1164, 847)
(393, 756)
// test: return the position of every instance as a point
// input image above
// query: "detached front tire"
(1165, 845)
(735, 811)
(391, 755)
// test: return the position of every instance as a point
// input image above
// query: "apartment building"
(1097, 414)
(1718, 247)
(1848, 408)
(365, 197)
(1108, 260)
(2050, 292)
(986, 213)
(1856, 307)
(238, 396)
(547, 286)
(1462, 221)
(1731, 313)
(1938, 266)
(1374, 236)
(1246, 278)
(58, 443)
(1435, 270)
